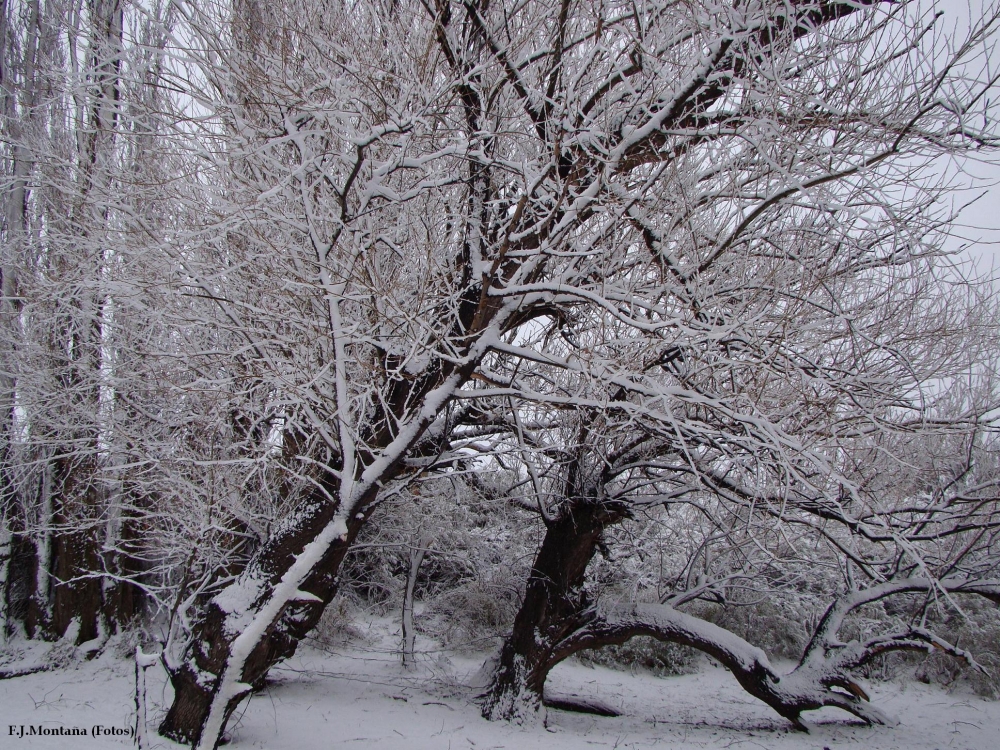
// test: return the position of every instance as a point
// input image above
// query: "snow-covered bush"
(477, 547)
(474, 616)
(979, 633)
(645, 654)
(776, 623)
(337, 627)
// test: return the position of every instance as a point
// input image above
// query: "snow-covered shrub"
(337, 625)
(123, 643)
(373, 576)
(778, 623)
(475, 615)
(477, 548)
(645, 654)
(979, 634)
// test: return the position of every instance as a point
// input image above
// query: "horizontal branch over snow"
(823, 678)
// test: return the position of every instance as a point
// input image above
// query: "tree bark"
(19, 584)
(409, 632)
(555, 605)
(211, 642)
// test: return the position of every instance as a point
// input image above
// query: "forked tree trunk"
(409, 630)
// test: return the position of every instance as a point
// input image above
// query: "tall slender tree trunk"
(69, 597)
(81, 494)
(13, 562)
(409, 631)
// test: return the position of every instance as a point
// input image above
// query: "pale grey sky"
(978, 230)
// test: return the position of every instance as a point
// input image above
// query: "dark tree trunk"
(211, 643)
(66, 554)
(76, 589)
(71, 558)
(555, 606)
(556, 620)
(22, 573)
(123, 600)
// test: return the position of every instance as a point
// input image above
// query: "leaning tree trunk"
(556, 620)
(824, 676)
(258, 621)
(555, 606)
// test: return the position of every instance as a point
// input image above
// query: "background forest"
(623, 331)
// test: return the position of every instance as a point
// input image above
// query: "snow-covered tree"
(72, 174)
(386, 225)
(424, 196)
(889, 521)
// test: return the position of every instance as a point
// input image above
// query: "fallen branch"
(10, 674)
(578, 704)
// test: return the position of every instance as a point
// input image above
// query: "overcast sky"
(978, 230)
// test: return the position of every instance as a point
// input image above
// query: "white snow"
(361, 697)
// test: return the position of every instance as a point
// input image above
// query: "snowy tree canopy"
(671, 270)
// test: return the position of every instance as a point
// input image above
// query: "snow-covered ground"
(360, 697)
